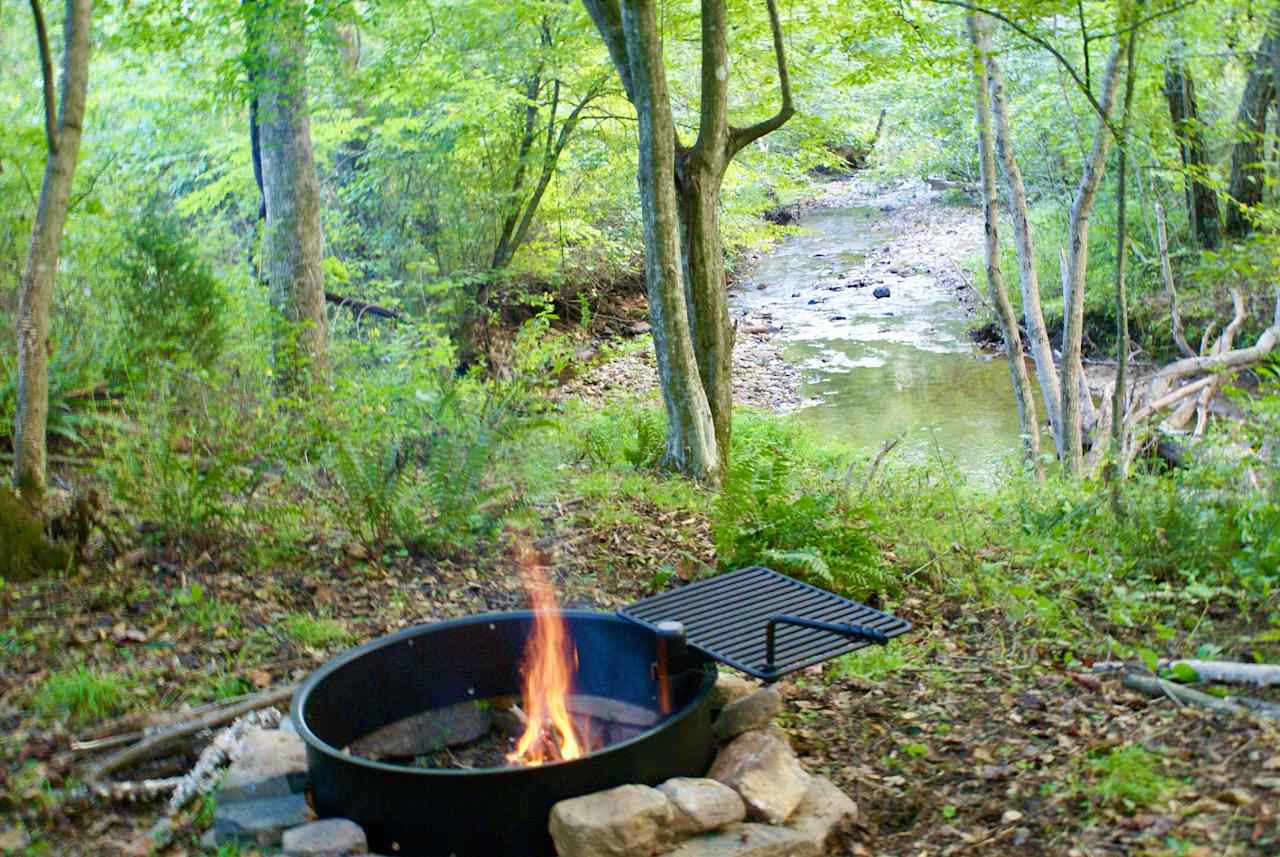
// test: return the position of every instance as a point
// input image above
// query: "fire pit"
(610, 700)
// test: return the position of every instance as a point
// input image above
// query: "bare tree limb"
(1166, 271)
(46, 74)
(742, 137)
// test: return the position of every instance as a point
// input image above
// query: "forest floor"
(968, 736)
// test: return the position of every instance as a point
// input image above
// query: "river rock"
(627, 821)
(426, 731)
(881, 292)
(729, 688)
(272, 763)
(762, 770)
(332, 837)
(703, 804)
(755, 711)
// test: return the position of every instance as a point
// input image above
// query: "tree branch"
(742, 137)
(46, 73)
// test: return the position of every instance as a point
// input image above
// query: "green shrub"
(169, 300)
(781, 504)
(1129, 778)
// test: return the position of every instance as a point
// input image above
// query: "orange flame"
(549, 661)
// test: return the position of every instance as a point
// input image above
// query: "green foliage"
(780, 504)
(169, 301)
(177, 465)
(82, 695)
(74, 372)
(1129, 778)
(211, 616)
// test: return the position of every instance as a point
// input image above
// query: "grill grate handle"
(853, 632)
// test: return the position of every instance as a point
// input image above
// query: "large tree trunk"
(294, 241)
(980, 33)
(1077, 263)
(1248, 172)
(696, 175)
(1024, 240)
(36, 289)
(691, 436)
(1184, 111)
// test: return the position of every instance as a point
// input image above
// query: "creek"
(877, 368)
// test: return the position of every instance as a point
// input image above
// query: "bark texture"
(1184, 112)
(35, 293)
(1075, 269)
(294, 241)
(1248, 171)
(980, 34)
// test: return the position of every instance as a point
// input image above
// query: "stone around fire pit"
(730, 688)
(271, 763)
(764, 772)
(627, 821)
(257, 822)
(754, 711)
(703, 804)
(333, 837)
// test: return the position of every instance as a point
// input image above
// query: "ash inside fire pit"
(483, 733)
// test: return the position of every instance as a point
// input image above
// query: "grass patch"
(315, 632)
(1129, 778)
(83, 695)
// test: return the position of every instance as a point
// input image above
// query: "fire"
(549, 662)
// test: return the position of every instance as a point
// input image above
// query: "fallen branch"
(224, 749)
(359, 308)
(154, 744)
(1152, 686)
(1230, 672)
(1166, 271)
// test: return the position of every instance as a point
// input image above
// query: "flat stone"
(825, 816)
(703, 804)
(729, 688)
(764, 772)
(754, 711)
(257, 822)
(748, 840)
(627, 821)
(272, 763)
(426, 731)
(332, 837)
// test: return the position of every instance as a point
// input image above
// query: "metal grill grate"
(727, 618)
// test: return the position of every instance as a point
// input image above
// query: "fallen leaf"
(1010, 816)
(1272, 764)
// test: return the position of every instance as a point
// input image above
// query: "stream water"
(876, 368)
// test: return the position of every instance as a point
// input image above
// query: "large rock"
(755, 711)
(730, 688)
(763, 771)
(748, 840)
(426, 732)
(703, 804)
(272, 763)
(825, 816)
(257, 822)
(628, 821)
(332, 837)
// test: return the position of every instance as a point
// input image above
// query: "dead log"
(165, 739)
(1230, 672)
(1234, 706)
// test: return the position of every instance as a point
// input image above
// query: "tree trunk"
(1024, 240)
(1184, 111)
(1119, 399)
(294, 241)
(980, 33)
(1077, 263)
(35, 293)
(691, 436)
(1248, 172)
